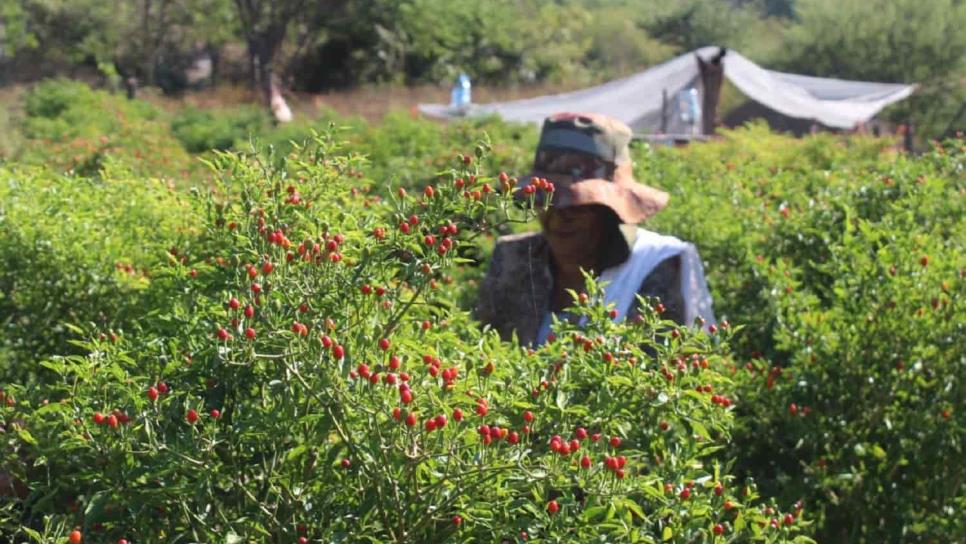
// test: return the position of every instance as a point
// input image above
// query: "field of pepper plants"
(276, 343)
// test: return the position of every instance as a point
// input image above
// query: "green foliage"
(619, 44)
(402, 150)
(135, 38)
(76, 251)
(323, 45)
(695, 23)
(428, 41)
(206, 130)
(433, 40)
(898, 40)
(72, 127)
(62, 109)
(16, 33)
(75, 31)
(799, 239)
(845, 269)
(892, 41)
(409, 152)
(304, 440)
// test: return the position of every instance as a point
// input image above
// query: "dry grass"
(370, 103)
(373, 102)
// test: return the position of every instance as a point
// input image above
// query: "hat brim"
(633, 202)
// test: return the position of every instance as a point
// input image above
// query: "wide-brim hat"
(608, 140)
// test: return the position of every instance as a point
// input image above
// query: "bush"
(409, 151)
(846, 375)
(403, 150)
(76, 251)
(304, 376)
(71, 127)
(206, 130)
(846, 269)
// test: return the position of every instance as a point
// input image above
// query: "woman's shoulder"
(515, 293)
(651, 237)
(663, 282)
(517, 250)
(509, 242)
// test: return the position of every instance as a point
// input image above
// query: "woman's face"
(574, 234)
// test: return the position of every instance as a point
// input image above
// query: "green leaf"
(666, 533)
(25, 435)
(655, 492)
(95, 508)
(620, 381)
(74, 329)
(296, 452)
(700, 429)
(561, 399)
(34, 535)
(595, 513)
(634, 507)
(54, 365)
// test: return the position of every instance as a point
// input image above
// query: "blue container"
(460, 96)
(690, 110)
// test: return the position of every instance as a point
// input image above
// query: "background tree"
(164, 36)
(265, 24)
(318, 46)
(14, 32)
(901, 41)
(150, 40)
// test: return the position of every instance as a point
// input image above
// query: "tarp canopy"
(640, 99)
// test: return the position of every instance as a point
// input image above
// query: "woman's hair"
(613, 250)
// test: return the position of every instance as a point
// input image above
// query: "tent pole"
(663, 111)
(712, 75)
(907, 138)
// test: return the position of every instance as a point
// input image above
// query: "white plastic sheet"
(638, 99)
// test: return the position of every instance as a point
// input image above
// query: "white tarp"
(638, 100)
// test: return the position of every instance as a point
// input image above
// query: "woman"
(591, 226)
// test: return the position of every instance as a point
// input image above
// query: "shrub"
(76, 251)
(868, 324)
(845, 266)
(305, 377)
(206, 130)
(71, 127)
(799, 239)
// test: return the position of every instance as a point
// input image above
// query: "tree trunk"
(270, 85)
(908, 140)
(215, 54)
(276, 102)
(253, 62)
(712, 76)
(131, 87)
(147, 52)
(265, 23)
(154, 25)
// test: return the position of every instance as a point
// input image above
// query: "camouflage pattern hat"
(602, 173)
(597, 135)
